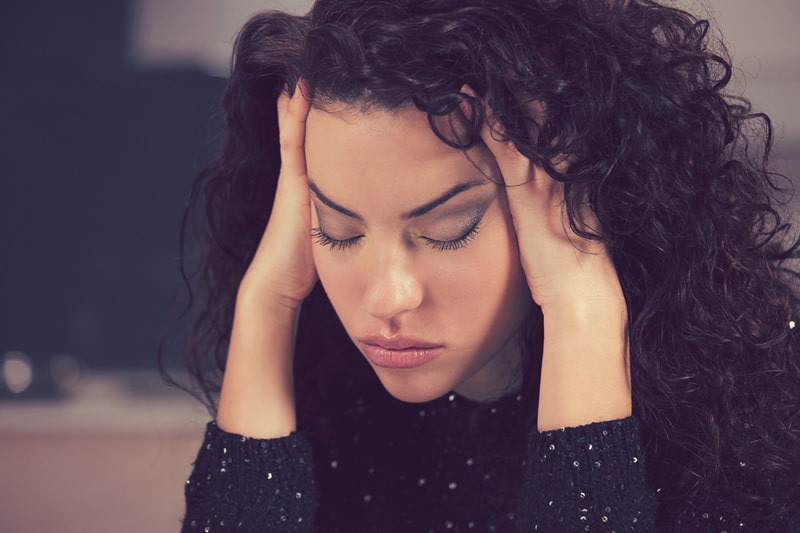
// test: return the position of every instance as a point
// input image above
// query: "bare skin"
(585, 376)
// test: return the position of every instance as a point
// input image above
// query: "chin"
(412, 389)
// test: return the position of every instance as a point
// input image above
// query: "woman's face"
(416, 250)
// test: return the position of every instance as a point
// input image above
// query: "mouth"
(399, 352)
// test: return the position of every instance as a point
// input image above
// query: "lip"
(399, 352)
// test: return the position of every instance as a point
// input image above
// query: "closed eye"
(454, 244)
(320, 237)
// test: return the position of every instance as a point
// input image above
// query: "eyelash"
(440, 246)
(320, 238)
(455, 244)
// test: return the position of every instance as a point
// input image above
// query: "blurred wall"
(96, 159)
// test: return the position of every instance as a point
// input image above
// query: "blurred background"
(108, 109)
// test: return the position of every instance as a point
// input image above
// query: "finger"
(518, 171)
(292, 113)
(535, 199)
(515, 168)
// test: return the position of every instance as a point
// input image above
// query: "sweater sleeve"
(589, 478)
(244, 484)
(592, 478)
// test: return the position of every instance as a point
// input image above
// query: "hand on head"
(283, 268)
(257, 396)
(585, 363)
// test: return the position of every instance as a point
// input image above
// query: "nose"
(393, 288)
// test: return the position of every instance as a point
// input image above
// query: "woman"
(544, 231)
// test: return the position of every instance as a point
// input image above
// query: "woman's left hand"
(585, 363)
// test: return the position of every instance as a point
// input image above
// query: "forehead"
(399, 133)
(382, 150)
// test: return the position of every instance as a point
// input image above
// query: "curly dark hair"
(674, 168)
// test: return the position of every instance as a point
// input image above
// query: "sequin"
(444, 478)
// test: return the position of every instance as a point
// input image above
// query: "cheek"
(339, 277)
(484, 283)
(336, 274)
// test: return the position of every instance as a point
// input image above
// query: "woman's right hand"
(257, 396)
(282, 271)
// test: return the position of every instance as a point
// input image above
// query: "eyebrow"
(414, 213)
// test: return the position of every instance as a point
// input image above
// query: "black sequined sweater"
(442, 466)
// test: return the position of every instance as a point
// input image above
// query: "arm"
(585, 364)
(591, 474)
(257, 396)
(252, 468)
(243, 484)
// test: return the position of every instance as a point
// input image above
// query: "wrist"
(257, 396)
(589, 316)
(258, 302)
(585, 364)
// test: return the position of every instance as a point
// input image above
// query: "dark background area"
(97, 158)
